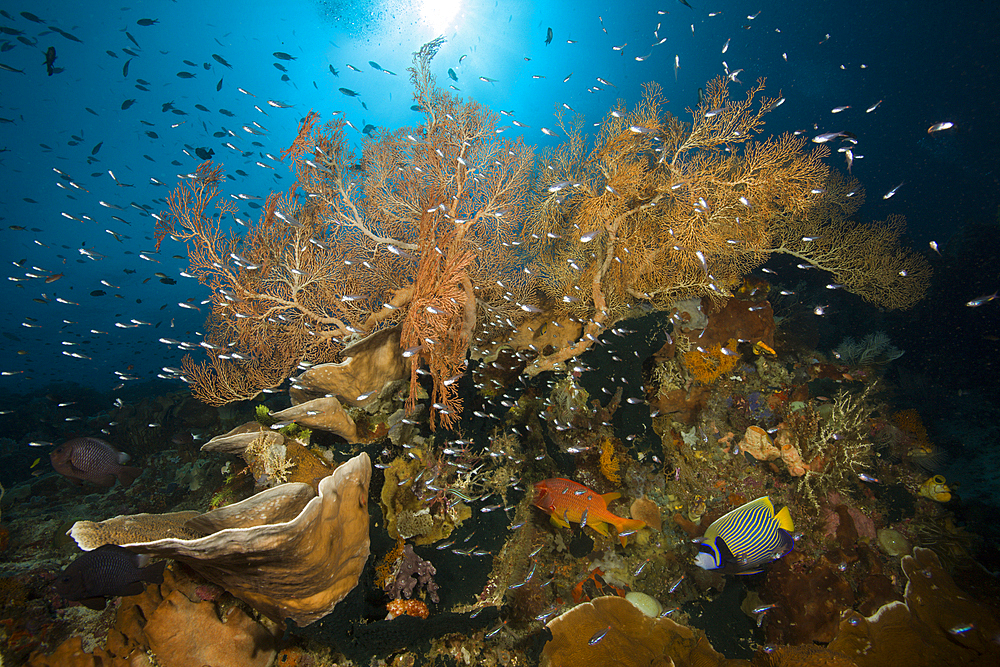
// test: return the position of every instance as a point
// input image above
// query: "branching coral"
(837, 448)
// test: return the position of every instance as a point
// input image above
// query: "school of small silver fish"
(238, 138)
(94, 298)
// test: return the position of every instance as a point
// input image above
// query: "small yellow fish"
(37, 461)
(760, 348)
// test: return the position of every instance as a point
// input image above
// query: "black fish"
(227, 112)
(201, 107)
(280, 55)
(368, 129)
(132, 39)
(105, 572)
(348, 92)
(130, 52)
(280, 67)
(127, 103)
(168, 281)
(204, 153)
(416, 107)
(147, 22)
(67, 35)
(685, 3)
(222, 61)
(333, 71)
(284, 77)
(189, 63)
(50, 58)
(218, 86)
(548, 37)
(125, 67)
(185, 75)
(96, 148)
(452, 75)
(98, 292)
(31, 17)
(111, 53)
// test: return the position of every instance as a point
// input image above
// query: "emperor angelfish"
(746, 538)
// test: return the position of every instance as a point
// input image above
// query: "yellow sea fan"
(709, 364)
(610, 465)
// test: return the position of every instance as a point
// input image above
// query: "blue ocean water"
(141, 94)
(65, 135)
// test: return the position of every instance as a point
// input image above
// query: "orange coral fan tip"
(408, 607)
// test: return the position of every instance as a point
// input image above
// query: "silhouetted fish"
(105, 572)
(50, 58)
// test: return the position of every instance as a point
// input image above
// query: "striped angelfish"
(747, 538)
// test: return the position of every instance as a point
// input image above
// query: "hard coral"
(630, 638)
(938, 624)
(179, 629)
(287, 551)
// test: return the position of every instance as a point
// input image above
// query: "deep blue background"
(927, 62)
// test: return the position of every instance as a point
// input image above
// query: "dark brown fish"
(105, 572)
(93, 460)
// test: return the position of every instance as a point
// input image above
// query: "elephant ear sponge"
(289, 552)
(937, 624)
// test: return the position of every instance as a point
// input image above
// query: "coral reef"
(708, 364)
(180, 628)
(289, 552)
(413, 572)
(833, 441)
(936, 624)
(611, 630)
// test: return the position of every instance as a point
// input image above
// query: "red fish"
(93, 460)
(565, 501)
